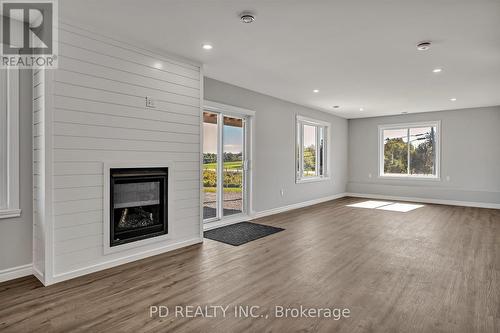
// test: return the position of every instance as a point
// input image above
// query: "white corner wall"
(470, 157)
(39, 173)
(94, 112)
(274, 148)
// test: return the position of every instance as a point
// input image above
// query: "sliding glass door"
(224, 172)
(233, 141)
(210, 165)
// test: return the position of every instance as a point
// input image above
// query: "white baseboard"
(282, 209)
(38, 274)
(256, 215)
(16, 272)
(426, 200)
(120, 261)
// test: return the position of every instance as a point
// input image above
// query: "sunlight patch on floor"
(401, 207)
(370, 204)
(386, 205)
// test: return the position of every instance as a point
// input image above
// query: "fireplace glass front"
(138, 204)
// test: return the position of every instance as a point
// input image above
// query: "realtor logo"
(28, 34)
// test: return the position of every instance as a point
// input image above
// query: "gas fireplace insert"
(138, 204)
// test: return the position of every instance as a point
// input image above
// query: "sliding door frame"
(247, 117)
(220, 168)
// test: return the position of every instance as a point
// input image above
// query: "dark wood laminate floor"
(434, 269)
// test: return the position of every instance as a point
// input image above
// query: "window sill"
(403, 177)
(9, 213)
(311, 180)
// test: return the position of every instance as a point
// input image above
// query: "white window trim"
(12, 209)
(314, 122)
(381, 129)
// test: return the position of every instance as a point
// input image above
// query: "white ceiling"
(358, 53)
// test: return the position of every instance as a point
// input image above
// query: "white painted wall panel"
(94, 216)
(83, 80)
(77, 193)
(88, 70)
(99, 131)
(66, 155)
(86, 93)
(99, 115)
(90, 118)
(81, 55)
(172, 114)
(77, 168)
(117, 49)
(68, 233)
(71, 142)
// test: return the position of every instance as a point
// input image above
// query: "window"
(9, 143)
(409, 150)
(311, 150)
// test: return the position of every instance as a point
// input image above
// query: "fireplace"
(138, 204)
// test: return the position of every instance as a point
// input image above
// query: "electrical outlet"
(282, 192)
(448, 178)
(150, 103)
(369, 175)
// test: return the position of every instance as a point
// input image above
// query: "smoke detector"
(423, 46)
(247, 18)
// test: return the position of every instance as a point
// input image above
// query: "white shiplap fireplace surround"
(91, 113)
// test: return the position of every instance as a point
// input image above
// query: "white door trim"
(249, 118)
(226, 109)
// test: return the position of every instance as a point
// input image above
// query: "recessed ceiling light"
(158, 65)
(437, 70)
(361, 109)
(423, 46)
(453, 99)
(315, 91)
(336, 106)
(207, 46)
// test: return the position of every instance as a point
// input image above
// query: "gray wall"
(274, 150)
(16, 233)
(470, 157)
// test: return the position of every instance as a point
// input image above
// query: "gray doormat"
(240, 233)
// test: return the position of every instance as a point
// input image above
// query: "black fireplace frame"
(131, 175)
